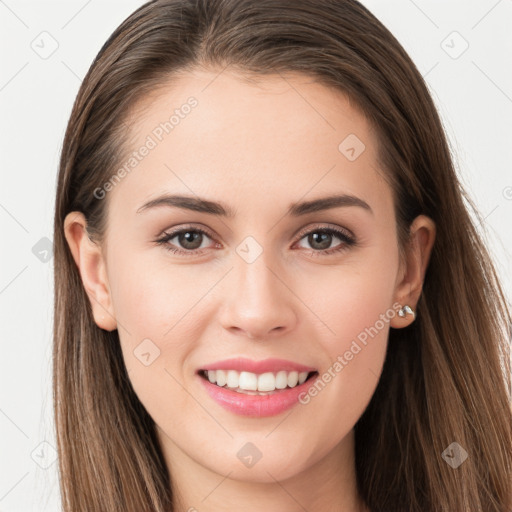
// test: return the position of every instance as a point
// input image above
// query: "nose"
(259, 303)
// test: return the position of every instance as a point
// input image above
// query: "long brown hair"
(446, 377)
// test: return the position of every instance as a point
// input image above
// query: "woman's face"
(266, 280)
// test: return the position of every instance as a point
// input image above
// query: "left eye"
(321, 239)
(190, 240)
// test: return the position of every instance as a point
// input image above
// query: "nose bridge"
(255, 279)
(257, 301)
(253, 260)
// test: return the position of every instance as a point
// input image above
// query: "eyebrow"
(198, 204)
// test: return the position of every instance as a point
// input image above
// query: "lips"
(241, 364)
(256, 388)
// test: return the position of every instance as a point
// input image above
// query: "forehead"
(271, 139)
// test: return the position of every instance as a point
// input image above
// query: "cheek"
(355, 304)
(151, 295)
(157, 306)
(145, 306)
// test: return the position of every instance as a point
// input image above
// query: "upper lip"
(242, 364)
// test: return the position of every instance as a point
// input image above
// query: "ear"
(92, 267)
(412, 270)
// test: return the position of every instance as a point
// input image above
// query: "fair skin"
(257, 148)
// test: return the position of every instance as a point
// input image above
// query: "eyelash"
(348, 240)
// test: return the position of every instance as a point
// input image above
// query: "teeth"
(302, 377)
(293, 378)
(266, 382)
(232, 379)
(248, 381)
(219, 378)
(281, 380)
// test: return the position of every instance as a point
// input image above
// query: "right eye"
(191, 240)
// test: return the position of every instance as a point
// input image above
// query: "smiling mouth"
(249, 383)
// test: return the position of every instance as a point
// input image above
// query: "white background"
(473, 93)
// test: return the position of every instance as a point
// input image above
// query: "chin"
(261, 462)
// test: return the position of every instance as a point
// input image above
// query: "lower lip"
(258, 406)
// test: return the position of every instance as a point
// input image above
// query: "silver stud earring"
(406, 309)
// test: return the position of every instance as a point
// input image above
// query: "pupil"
(190, 237)
(325, 240)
